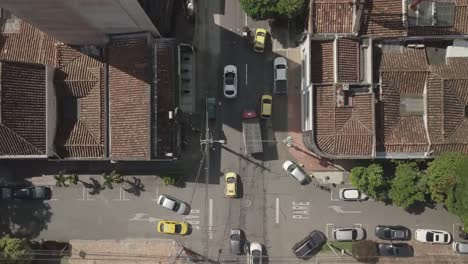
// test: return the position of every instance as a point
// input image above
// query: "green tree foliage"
(60, 179)
(266, 9)
(365, 251)
(73, 179)
(370, 180)
(407, 187)
(458, 194)
(110, 179)
(14, 250)
(442, 175)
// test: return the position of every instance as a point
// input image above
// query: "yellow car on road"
(265, 106)
(231, 185)
(260, 39)
(173, 227)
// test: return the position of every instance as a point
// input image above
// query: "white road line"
(52, 189)
(83, 195)
(246, 75)
(210, 220)
(277, 210)
(339, 210)
(245, 15)
(326, 228)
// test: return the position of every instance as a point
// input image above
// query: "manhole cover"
(247, 203)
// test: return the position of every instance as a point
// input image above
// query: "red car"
(248, 114)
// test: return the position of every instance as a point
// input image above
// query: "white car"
(255, 256)
(173, 204)
(460, 247)
(230, 81)
(296, 172)
(352, 194)
(433, 236)
(280, 83)
(348, 234)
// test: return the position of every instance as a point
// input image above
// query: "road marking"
(121, 195)
(210, 225)
(339, 210)
(245, 15)
(246, 75)
(301, 210)
(326, 228)
(194, 215)
(331, 196)
(144, 217)
(277, 210)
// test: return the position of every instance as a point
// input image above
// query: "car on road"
(387, 232)
(433, 236)
(266, 104)
(231, 185)
(296, 172)
(6, 193)
(260, 39)
(348, 233)
(173, 227)
(352, 194)
(32, 193)
(310, 245)
(237, 241)
(173, 204)
(256, 255)
(400, 250)
(460, 247)
(230, 81)
(280, 82)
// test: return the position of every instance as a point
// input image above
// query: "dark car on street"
(32, 193)
(400, 250)
(310, 245)
(237, 242)
(387, 232)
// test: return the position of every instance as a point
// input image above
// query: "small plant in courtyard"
(73, 179)
(61, 180)
(111, 179)
(168, 180)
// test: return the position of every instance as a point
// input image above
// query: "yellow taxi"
(231, 185)
(266, 106)
(173, 227)
(260, 39)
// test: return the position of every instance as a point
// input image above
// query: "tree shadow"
(416, 208)
(136, 186)
(95, 187)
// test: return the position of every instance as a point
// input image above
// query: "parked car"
(310, 245)
(6, 193)
(173, 227)
(400, 250)
(260, 39)
(32, 193)
(231, 185)
(433, 236)
(460, 247)
(352, 194)
(386, 232)
(173, 204)
(237, 241)
(296, 172)
(266, 104)
(230, 81)
(280, 82)
(348, 233)
(255, 256)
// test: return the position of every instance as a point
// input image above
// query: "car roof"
(351, 193)
(344, 234)
(462, 247)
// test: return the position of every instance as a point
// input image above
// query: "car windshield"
(280, 66)
(446, 238)
(259, 34)
(176, 206)
(235, 237)
(231, 180)
(266, 101)
(162, 200)
(229, 92)
(291, 168)
(229, 76)
(22, 193)
(429, 236)
(387, 233)
(178, 227)
(162, 226)
(354, 234)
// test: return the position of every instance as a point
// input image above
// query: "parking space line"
(210, 223)
(277, 210)
(326, 228)
(52, 189)
(331, 196)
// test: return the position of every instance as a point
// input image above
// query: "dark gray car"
(395, 250)
(310, 245)
(237, 242)
(392, 232)
(33, 193)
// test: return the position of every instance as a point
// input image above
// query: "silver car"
(237, 242)
(173, 204)
(348, 234)
(296, 172)
(460, 247)
(352, 194)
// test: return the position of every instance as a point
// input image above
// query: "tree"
(364, 251)
(14, 250)
(370, 180)
(110, 179)
(73, 179)
(268, 9)
(60, 179)
(407, 187)
(442, 175)
(458, 201)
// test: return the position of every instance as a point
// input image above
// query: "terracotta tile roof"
(22, 109)
(332, 16)
(348, 60)
(382, 18)
(408, 60)
(80, 78)
(129, 98)
(343, 131)
(321, 61)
